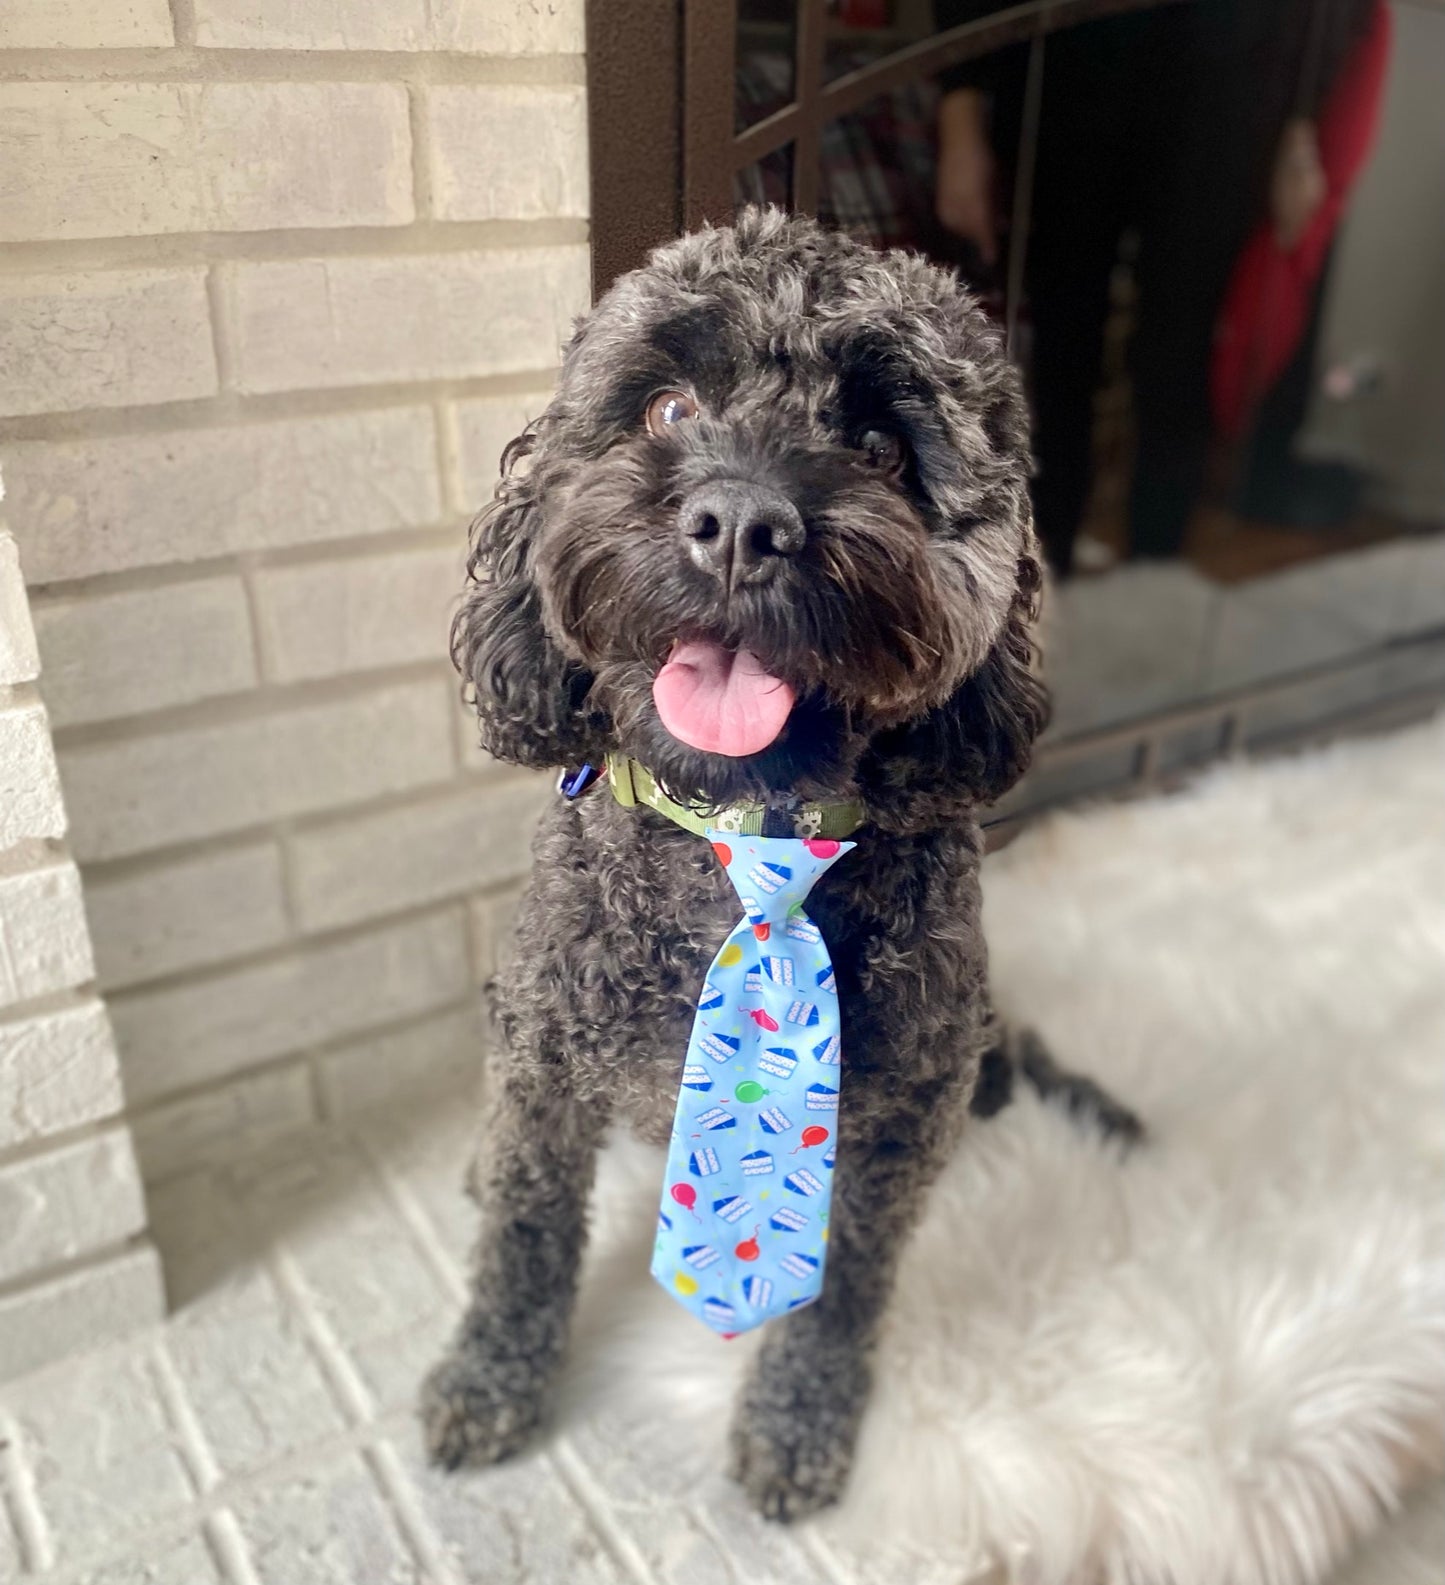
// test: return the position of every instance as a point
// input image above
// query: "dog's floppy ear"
(529, 698)
(972, 748)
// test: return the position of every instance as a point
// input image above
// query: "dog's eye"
(668, 408)
(883, 450)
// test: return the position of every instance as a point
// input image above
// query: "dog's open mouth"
(719, 700)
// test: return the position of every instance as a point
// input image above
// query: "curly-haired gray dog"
(802, 459)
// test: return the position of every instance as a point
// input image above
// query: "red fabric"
(1267, 302)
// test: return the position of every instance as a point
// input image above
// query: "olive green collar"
(634, 784)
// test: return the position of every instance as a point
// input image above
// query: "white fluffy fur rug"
(1222, 1361)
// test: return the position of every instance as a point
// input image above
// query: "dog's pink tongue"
(720, 700)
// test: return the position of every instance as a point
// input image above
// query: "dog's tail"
(1012, 1052)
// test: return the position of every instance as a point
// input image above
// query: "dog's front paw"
(790, 1465)
(477, 1410)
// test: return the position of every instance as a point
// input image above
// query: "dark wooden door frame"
(634, 130)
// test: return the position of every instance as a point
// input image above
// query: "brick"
(106, 339)
(84, 24)
(10, 1565)
(321, 619)
(362, 1301)
(391, 1367)
(253, 1383)
(79, 1311)
(185, 1561)
(105, 1464)
(187, 1035)
(57, 1070)
(428, 1151)
(187, 914)
(222, 1125)
(351, 321)
(91, 506)
(358, 868)
(19, 659)
(293, 1536)
(471, 127)
(523, 1524)
(313, 24)
(493, 927)
(198, 1222)
(30, 803)
(44, 945)
(472, 755)
(109, 655)
(140, 159)
(654, 1489)
(429, 1058)
(550, 27)
(72, 1200)
(484, 426)
(149, 792)
(83, 1310)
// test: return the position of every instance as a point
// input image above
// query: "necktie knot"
(773, 875)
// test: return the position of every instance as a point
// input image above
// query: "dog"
(777, 454)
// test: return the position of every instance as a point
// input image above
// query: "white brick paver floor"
(266, 1434)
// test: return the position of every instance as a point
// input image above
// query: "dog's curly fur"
(903, 625)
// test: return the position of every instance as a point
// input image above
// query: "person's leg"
(1079, 202)
(1198, 199)
(1274, 484)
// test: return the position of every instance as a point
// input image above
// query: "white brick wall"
(70, 1201)
(110, 338)
(223, 1124)
(48, 1320)
(136, 159)
(484, 428)
(476, 136)
(29, 786)
(86, 507)
(347, 870)
(57, 1071)
(19, 659)
(69, 1190)
(84, 24)
(358, 321)
(109, 655)
(139, 793)
(44, 944)
(283, 278)
(323, 618)
(487, 27)
(185, 1035)
(435, 1055)
(187, 913)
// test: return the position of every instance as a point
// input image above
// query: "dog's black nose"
(739, 531)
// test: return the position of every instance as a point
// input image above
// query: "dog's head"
(771, 534)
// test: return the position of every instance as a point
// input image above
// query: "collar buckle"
(572, 784)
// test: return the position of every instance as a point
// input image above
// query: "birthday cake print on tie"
(756, 1115)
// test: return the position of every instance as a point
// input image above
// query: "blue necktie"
(742, 1233)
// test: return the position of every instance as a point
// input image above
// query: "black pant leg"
(1080, 200)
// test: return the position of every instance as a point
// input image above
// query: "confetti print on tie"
(753, 1104)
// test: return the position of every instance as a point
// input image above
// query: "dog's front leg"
(798, 1416)
(531, 1179)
